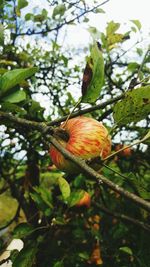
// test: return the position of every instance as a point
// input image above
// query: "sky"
(122, 11)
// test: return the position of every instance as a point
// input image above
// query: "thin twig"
(125, 147)
(124, 217)
(87, 110)
(5, 260)
(64, 23)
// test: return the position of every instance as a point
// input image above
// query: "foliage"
(40, 82)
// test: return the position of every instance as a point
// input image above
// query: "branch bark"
(43, 128)
(99, 177)
(87, 110)
(40, 125)
(124, 217)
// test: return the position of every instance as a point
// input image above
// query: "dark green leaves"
(15, 97)
(9, 84)
(93, 77)
(22, 230)
(26, 257)
(22, 3)
(14, 77)
(134, 107)
(43, 199)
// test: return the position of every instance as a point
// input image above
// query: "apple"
(126, 152)
(82, 136)
(84, 201)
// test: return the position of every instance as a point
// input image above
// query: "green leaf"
(1, 35)
(10, 107)
(45, 195)
(99, 10)
(39, 18)
(64, 187)
(2, 71)
(112, 27)
(26, 256)
(29, 16)
(94, 32)
(137, 23)
(41, 203)
(133, 66)
(75, 197)
(13, 77)
(134, 107)
(127, 250)
(35, 110)
(43, 199)
(93, 77)
(84, 255)
(22, 230)
(22, 4)
(115, 38)
(59, 10)
(58, 264)
(15, 97)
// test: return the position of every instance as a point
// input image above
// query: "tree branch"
(63, 24)
(5, 261)
(124, 217)
(87, 110)
(99, 177)
(39, 125)
(43, 128)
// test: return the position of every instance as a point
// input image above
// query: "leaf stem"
(76, 105)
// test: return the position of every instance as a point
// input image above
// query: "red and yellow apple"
(85, 138)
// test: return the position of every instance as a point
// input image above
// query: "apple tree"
(96, 211)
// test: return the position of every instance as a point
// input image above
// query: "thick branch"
(124, 217)
(39, 125)
(100, 178)
(87, 110)
(79, 162)
(19, 121)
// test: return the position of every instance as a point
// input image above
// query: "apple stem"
(76, 105)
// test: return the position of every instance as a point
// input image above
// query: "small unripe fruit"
(85, 138)
(84, 201)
